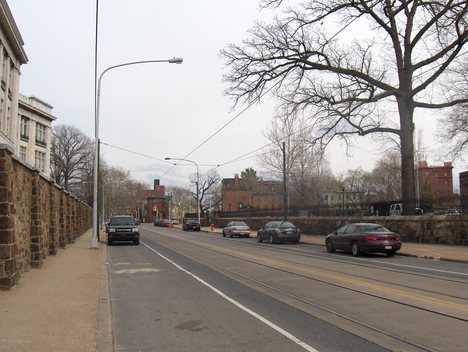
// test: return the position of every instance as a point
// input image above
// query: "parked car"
(236, 228)
(158, 222)
(279, 231)
(123, 228)
(191, 224)
(363, 237)
(166, 223)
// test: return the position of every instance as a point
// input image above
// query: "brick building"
(436, 183)
(156, 203)
(251, 193)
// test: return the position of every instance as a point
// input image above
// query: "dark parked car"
(158, 222)
(191, 224)
(363, 237)
(123, 228)
(279, 231)
(236, 228)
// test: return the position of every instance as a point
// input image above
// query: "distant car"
(123, 228)
(175, 221)
(191, 224)
(279, 231)
(158, 222)
(236, 228)
(166, 223)
(359, 238)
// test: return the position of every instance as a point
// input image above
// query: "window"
(40, 134)
(8, 122)
(23, 152)
(40, 161)
(24, 132)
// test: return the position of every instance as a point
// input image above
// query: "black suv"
(123, 228)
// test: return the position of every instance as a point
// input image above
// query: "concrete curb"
(104, 338)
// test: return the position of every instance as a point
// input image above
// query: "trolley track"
(269, 287)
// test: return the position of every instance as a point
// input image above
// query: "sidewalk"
(428, 251)
(58, 307)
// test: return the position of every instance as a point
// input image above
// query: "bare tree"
(71, 156)
(386, 177)
(453, 130)
(210, 191)
(351, 87)
(305, 161)
(181, 200)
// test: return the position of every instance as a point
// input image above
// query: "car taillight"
(370, 238)
(397, 237)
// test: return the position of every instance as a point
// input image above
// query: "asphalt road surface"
(194, 291)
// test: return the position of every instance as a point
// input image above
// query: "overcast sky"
(158, 110)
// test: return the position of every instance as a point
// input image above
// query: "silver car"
(236, 228)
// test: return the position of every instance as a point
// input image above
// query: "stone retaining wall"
(443, 229)
(37, 218)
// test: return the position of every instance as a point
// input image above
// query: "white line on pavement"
(244, 308)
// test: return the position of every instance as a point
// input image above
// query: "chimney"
(236, 181)
(156, 184)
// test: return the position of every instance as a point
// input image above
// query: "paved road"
(181, 291)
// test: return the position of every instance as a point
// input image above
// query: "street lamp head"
(167, 158)
(176, 60)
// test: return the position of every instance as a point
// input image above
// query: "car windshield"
(122, 221)
(239, 223)
(192, 221)
(374, 228)
(287, 224)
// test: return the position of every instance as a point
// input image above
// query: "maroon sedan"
(362, 237)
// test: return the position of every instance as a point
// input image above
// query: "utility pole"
(285, 190)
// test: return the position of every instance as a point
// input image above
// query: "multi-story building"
(12, 56)
(243, 193)
(35, 132)
(339, 199)
(435, 183)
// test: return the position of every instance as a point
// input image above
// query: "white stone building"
(35, 133)
(12, 56)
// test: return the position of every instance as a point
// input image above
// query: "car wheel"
(224, 234)
(271, 239)
(390, 253)
(329, 245)
(355, 249)
(136, 242)
(259, 238)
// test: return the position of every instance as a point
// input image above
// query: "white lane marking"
(134, 271)
(244, 308)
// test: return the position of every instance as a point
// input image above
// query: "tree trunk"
(407, 160)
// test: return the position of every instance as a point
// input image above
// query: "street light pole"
(94, 240)
(197, 183)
